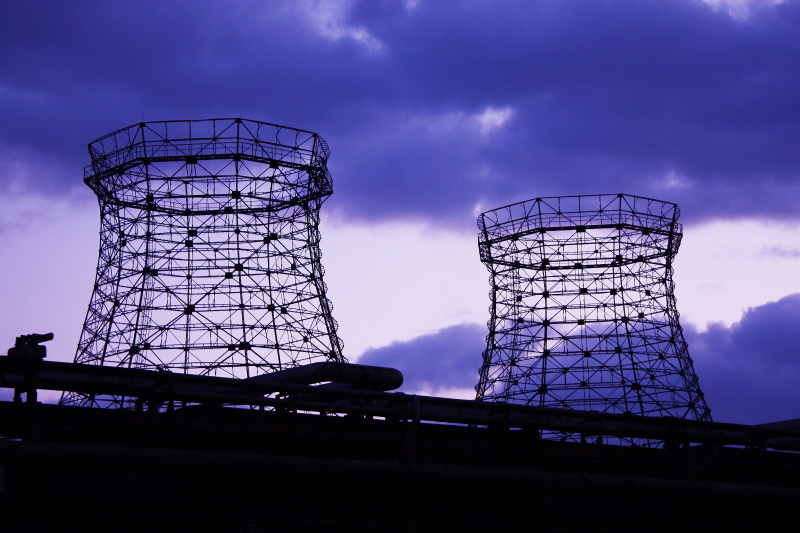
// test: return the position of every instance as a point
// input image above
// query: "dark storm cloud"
(433, 110)
(750, 371)
(447, 359)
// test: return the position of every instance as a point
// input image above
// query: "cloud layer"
(432, 109)
(435, 363)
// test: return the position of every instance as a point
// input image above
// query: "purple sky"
(435, 111)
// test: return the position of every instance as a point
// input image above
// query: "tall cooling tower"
(583, 312)
(209, 250)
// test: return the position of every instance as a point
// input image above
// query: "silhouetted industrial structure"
(209, 319)
(209, 250)
(583, 313)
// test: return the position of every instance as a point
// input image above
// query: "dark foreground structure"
(316, 457)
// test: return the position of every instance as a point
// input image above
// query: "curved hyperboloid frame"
(583, 313)
(209, 250)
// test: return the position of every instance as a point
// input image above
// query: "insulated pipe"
(364, 377)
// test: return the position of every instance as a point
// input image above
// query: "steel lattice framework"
(209, 250)
(583, 313)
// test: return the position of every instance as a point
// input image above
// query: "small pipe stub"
(28, 345)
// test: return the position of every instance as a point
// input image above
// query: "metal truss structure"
(583, 312)
(209, 250)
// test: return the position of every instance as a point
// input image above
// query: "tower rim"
(194, 141)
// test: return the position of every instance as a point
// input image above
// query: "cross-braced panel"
(583, 312)
(209, 255)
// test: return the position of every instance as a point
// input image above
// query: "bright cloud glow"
(444, 125)
(330, 19)
(741, 9)
(675, 180)
(493, 118)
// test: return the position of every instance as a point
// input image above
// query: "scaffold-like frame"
(209, 250)
(583, 312)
